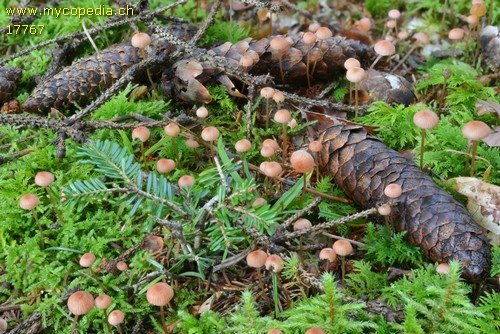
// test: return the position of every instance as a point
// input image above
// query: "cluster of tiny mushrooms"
(160, 294)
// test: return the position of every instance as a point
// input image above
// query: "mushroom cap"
(44, 179)
(292, 123)
(271, 168)
(421, 38)
(202, 112)
(243, 145)
(186, 181)
(141, 132)
(258, 201)
(309, 38)
(456, 34)
(384, 210)
(121, 265)
(315, 146)
(342, 247)
(160, 294)
(393, 190)
(394, 14)
(4, 325)
(275, 262)
(391, 24)
(403, 34)
(103, 301)
(313, 27)
(274, 331)
(210, 133)
(355, 74)
(192, 143)
(270, 142)
(256, 259)
(327, 254)
(279, 44)
(140, 40)
(476, 130)
(267, 151)
(80, 303)
(302, 161)
(87, 260)
(443, 268)
(267, 92)
(116, 317)
(278, 96)
(323, 33)
(351, 62)
(246, 61)
(315, 330)
(29, 201)
(385, 48)
(472, 20)
(425, 119)
(165, 166)
(302, 224)
(282, 116)
(172, 130)
(363, 25)
(478, 9)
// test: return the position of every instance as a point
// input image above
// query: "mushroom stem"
(42, 241)
(275, 294)
(404, 58)
(261, 283)
(473, 159)
(316, 61)
(97, 279)
(342, 261)
(281, 69)
(119, 329)
(107, 323)
(376, 61)
(285, 141)
(268, 114)
(307, 68)
(422, 149)
(75, 320)
(356, 99)
(163, 323)
(58, 213)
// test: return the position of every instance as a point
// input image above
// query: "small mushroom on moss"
(315, 330)
(383, 48)
(80, 303)
(280, 46)
(165, 166)
(425, 119)
(283, 116)
(141, 133)
(30, 202)
(257, 259)
(329, 255)
(86, 261)
(186, 181)
(115, 318)
(342, 248)
(160, 294)
(475, 131)
(102, 302)
(443, 268)
(355, 75)
(45, 179)
(267, 93)
(3, 325)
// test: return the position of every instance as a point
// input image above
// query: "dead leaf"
(196, 92)
(188, 69)
(484, 107)
(230, 87)
(493, 139)
(483, 203)
(152, 243)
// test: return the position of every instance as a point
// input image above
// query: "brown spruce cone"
(9, 79)
(79, 83)
(363, 166)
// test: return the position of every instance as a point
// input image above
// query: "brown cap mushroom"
(302, 161)
(29, 202)
(186, 181)
(160, 294)
(116, 317)
(271, 168)
(302, 224)
(274, 262)
(443, 268)
(121, 265)
(210, 133)
(80, 303)
(315, 330)
(202, 112)
(384, 210)
(172, 130)
(327, 254)
(393, 190)
(44, 179)
(385, 48)
(476, 130)
(425, 119)
(351, 62)
(140, 40)
(243, 145)
(87, 260)
(165, 166)
(142, 133)
(456, 34)
(355, 74)
(103, 301)
(256, 259)
(315, 146)
(342, 247)
(267, 92)
(323, 33)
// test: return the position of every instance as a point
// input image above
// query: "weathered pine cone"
(363, 166)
